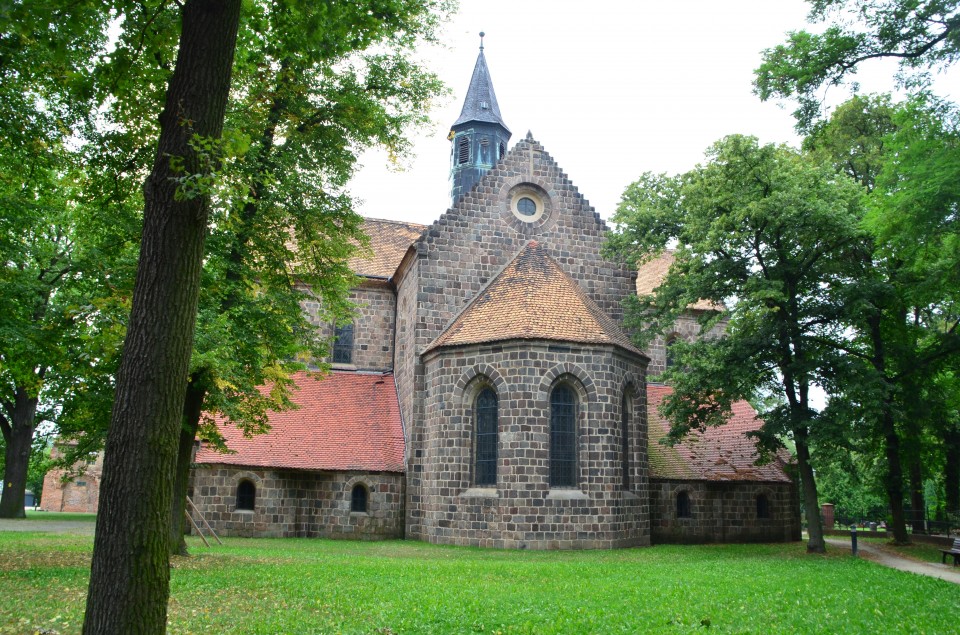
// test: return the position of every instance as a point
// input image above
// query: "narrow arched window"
(763, 506)
(563, 441)
(683, 505)
(503, 150)
(343, 344)
(463, 150)
(486, 426)
(671, 357)
(246, 495)
(625, 416)
(359, 498)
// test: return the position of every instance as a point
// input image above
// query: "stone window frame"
(348, 487)
(543, 192)
(586, 393)
(467, 390)
(684, 512)
(767, 494)
(255, 481)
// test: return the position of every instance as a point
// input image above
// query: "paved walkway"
(935, 570)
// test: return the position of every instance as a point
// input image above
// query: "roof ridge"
(393, 221)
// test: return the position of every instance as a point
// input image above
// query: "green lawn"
(38, 515)
(318, 586)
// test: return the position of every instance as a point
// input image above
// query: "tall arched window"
(683, 505)
(626, 412)
(358, 498)
(763, 506)
(246, 495)
(486, 426)
(563, 437)
(343, 343)
(670, 354)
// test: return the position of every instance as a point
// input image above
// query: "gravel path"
(935, 570)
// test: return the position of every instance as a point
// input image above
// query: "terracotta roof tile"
(651, 273)
(346, 421)
(389, 241)
(723, 453)
(533, 298)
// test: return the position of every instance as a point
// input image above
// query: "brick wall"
(299, 504)
(522, 511)
(79, 493)
(723, 511)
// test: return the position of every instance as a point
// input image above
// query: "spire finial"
(481, 39)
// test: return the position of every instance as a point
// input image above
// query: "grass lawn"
(302, 586)
(38, 515)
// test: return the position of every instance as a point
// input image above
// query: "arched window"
(563, 437)
(670, 355)
(763, 506)
(246, 495)
(683, 505)
(486, 426)
(463, 150)
(358, 498)
(503, 150)
(343, 344)
(625, 417)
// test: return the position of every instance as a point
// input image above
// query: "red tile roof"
(346, 421)
(723, 453)
(651, 273)
(533, 298)
(389, 241)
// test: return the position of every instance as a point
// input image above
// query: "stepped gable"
(389, 241)
(345, 421)
(722, 453)
(533, 298)
(652, 272)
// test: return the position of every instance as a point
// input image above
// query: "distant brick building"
(486, 393)
(76, 490)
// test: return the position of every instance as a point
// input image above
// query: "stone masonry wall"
(299, 504)
(372, 327)
(723, 511)
(523, 511)
(80, 493)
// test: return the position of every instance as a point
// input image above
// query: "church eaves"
(533, 299)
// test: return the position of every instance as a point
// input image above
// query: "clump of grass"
(318, 586)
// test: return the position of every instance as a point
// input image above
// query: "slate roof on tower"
(533, 298)
(481, 101)
(723, 453)
(345, 421)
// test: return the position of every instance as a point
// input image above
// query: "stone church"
(486, 393)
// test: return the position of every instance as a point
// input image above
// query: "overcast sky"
(611, 88)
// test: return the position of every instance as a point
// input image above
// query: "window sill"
(339, 366)
(566, 495)
(480, 492)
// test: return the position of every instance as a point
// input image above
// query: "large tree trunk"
(17, 426)
(894, 477)
(917, 501)
(815, 541)
(192, 409)
(130, 576)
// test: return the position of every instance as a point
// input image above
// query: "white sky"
(611, 88)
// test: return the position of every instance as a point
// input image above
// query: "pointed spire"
(481, 102)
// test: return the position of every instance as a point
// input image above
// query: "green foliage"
(919, 34)
(307, 586)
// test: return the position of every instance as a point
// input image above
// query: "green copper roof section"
(481, 102)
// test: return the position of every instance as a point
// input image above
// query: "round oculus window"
(527, 206)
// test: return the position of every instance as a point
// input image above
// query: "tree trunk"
(951, 472)
(18, 434)
(917, 501)
(894, 477)
(130, 576)
(815, 541)
(192, 409)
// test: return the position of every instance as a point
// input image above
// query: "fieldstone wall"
(373, 325)
(723, 511)
(298, 503)
(523, 511)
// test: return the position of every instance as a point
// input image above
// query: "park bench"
(952, 551)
